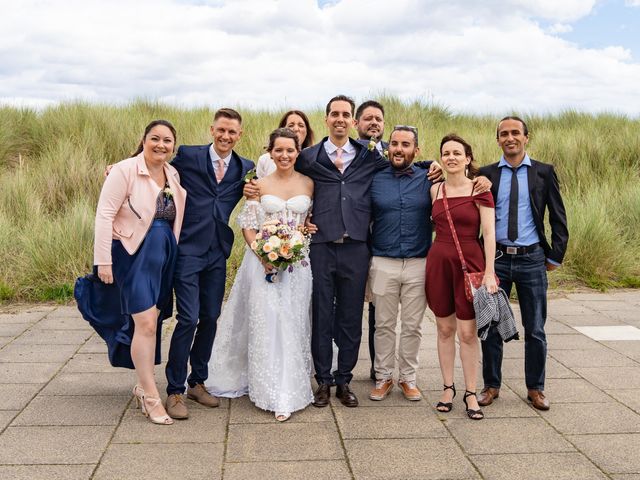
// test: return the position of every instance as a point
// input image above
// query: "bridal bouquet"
(282, 245)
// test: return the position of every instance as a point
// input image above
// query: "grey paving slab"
(87, 384)
(554, 369)
(630, 398)
(53, 445)
(20, 353)
(95, 344)
(565, 306)
(586, 358)
(6, 416)
(20, 314)
(283, 441)
(161, 461)
(568, 390)
(48, 472)
(244, 411)
(624, 476)
(63, 323)
(54, 337)
(73, 410)
(572, 342)
(88, 363)
(407, 459)
(630, 349)
(556, 328)
(507, 435)
(15, 396)
(606, 305)
(610, 378)
(202, 426)
(5, 340)
(64, 311)
(389, 422)
(612, 453)
(627, 316)
(27, 372)
(12, 329)
(581, 418)
(309, 470)
(537, 466)
(584, 320)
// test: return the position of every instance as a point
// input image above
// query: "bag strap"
(453, 229)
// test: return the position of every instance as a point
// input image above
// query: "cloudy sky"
(493, 56)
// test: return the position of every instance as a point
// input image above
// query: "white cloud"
(559, 28)
(492, 57)
(632, 3)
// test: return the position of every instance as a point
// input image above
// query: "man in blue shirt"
(523, 190)
(400, 239)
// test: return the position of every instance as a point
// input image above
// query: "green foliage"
(52, 163)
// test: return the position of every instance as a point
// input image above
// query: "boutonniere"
(251, 175)
(372, 144)
(385, 154)
(167, 192)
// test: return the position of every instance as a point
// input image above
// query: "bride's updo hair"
(283, 133)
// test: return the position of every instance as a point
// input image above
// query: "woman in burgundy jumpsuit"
(444, 277)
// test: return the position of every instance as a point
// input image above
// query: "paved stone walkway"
(66, 414)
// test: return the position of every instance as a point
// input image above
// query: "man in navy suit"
(370, 126)
(213, 177)
(342, 170)
(523, 189)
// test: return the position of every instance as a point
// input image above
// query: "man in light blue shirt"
(523, 190)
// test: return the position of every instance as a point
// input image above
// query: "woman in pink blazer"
(137, 227)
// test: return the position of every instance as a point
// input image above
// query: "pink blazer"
(127, 206)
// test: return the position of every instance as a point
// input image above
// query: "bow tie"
(408, 171)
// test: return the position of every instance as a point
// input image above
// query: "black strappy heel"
(472, 414)
(448, 406)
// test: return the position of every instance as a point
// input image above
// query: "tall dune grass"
(51, 165)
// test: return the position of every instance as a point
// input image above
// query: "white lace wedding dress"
(263, 340)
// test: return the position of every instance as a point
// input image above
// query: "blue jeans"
(529, 274)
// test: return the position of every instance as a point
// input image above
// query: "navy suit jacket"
(341, 201)
(209, 204)
(544, 192)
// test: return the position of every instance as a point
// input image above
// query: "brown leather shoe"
(176, 407)
(321, 395)
(410, 391)
(381, 390)
(346, 395)
(538, 400)
(199, 394)
(488, 395)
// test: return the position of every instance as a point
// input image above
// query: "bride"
(262, 346)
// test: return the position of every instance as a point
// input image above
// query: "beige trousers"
(397, 282)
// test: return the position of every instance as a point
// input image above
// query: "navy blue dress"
(141, 281)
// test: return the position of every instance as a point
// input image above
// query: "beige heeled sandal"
(148, 405)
